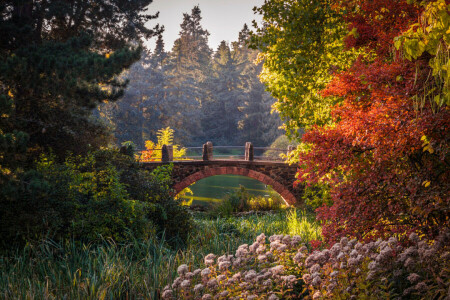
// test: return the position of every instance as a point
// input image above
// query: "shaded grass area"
(138, 269)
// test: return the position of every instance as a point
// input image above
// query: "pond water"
(215, 188)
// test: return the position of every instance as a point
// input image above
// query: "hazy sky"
(222, 18)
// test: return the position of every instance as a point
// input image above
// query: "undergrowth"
(136, 269)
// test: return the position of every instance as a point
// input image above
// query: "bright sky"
(222, 18)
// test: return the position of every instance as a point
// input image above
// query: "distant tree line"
(203, 95)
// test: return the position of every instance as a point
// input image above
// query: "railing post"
(290, 149)
(167, 153)
(249, 153)
(207, 151)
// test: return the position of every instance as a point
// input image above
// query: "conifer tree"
(60, 59)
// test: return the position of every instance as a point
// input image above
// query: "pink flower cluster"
(283, 267)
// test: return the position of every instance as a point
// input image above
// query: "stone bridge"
(279, 175)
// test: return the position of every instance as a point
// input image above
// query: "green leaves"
(302, 45)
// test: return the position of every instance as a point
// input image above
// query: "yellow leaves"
(107, 55)
(10, 94)
(426, 144)
(426, 183)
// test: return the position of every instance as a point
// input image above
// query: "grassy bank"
(138, 269)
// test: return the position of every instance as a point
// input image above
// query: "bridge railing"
(209, 152)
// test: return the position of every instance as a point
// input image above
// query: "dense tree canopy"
(384, 150)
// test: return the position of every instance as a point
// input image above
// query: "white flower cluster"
(251, 272)
(282, 268)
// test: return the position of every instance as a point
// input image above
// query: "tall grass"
(136, 270)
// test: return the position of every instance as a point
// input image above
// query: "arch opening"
(284, 192)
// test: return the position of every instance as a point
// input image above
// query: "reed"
(138, 269)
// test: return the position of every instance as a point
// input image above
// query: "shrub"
(102, 194)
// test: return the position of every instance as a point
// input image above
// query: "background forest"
(204, 95)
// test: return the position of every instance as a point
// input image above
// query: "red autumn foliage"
(382, 181)
(377, 22)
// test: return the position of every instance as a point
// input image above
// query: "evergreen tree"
(220, 112)
(59, 59)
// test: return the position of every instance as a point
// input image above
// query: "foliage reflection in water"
(213, 189)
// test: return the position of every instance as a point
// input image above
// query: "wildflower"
(315, 268)
(223, 294)
(298, 257)
(421, 286)
(273, 297)
(335, 273)
(198, 288)
(352, 243)
(296, 239)
(306, 278)
(344, 241)
(185, 283)
(331, 287)
(176, 282)
(352, 262)
(224, 265)
(221, 277)
(261, 249)
(286, 240)
(354, 253)
(268, 282)
(413, 237)
(182, 270)
(250, 275)
(282, 248)
(205, 272)
(253, 247)
(358, 271)
(189, 275)
(413, 277)
(261, 239)
(252, 297)
(209, 259)
(237, 262)
(237, 276)
(316, 281)
(196, 272)
(222, 258)
(212, 283)
(207, 297)
(373, 265)
(262, 257)
(409, 262)
(167, 294)
(317, 295)
(275, 238)
(277, 270)
(289, 280)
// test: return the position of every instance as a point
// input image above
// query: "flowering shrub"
(285, 268)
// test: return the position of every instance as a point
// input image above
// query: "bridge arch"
(284, 192)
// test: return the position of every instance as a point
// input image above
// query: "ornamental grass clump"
(285, 268)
